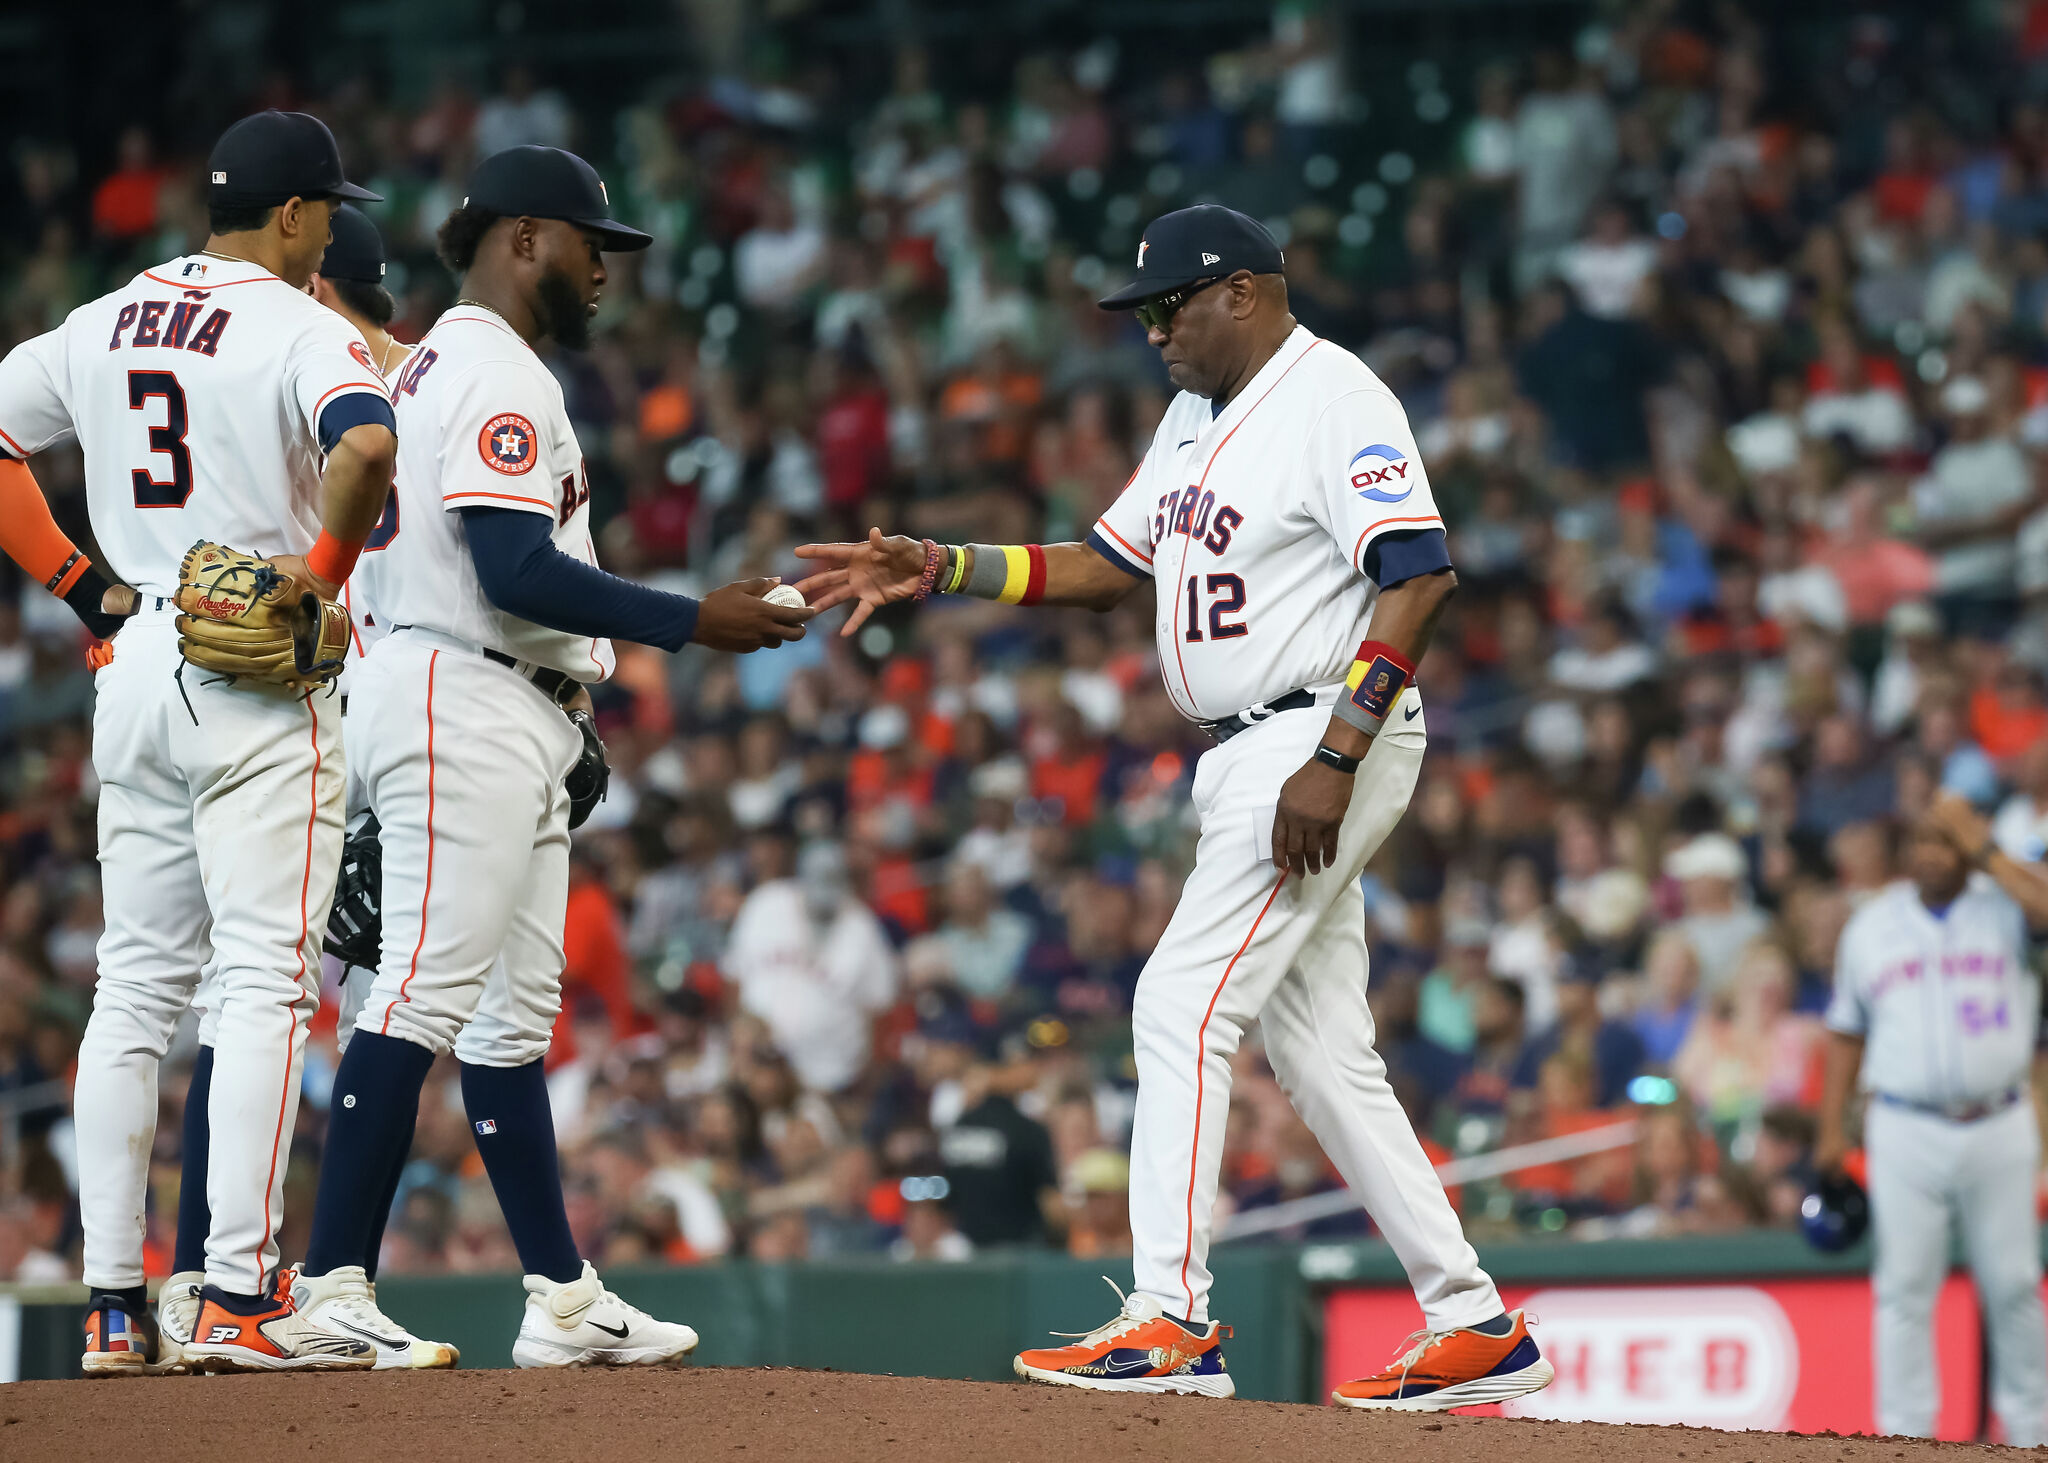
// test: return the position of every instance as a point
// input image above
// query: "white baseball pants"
(220, 835)
(1926, 1174)
(462, 760)
(1247, 943)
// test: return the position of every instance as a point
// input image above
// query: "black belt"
(1962, 1112)
(557, 686)
(1251, 716)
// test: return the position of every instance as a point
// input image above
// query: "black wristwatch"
(1331, 757)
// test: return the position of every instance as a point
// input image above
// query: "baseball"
(785, 594)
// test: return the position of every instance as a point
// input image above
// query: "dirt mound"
(765, 1415)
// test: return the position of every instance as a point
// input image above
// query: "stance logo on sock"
(349, 1101)
(486, 1126)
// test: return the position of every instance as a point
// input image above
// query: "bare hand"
(1311, 814)
(878, 572)
(120, 599)
(737, 619)
(1966, 830)
(294, 566)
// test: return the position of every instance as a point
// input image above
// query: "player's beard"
(568, 318)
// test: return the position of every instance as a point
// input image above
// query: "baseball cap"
(1207, 241)
(274, 156)
(356, 250)
(546, 182)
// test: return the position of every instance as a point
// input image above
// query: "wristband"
(1331, 757)
(86, 594)
(934, 556)
(332, 558)
(1378, 677)
(68, 573)
(1011, 574)
(955, 570)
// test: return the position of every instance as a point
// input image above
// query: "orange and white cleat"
(1445, 1369)
(274, 1339)
(1142, 1350)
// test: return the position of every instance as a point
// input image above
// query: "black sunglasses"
(1157, 313)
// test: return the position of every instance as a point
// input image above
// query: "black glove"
(355, 930)
(588, 779)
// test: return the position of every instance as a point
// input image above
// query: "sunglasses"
(1157, 313)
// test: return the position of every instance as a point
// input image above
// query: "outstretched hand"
(878, 572)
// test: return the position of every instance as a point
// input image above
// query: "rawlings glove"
(355, 930)
(244, 616)
(588, 779)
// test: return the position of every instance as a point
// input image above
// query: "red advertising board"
(1783, 1355)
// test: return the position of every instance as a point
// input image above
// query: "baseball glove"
(592, 774)
(355, 929)
(245, 616)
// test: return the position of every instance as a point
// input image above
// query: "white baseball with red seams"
(196, 392)
(1254, 523)
(460, 757)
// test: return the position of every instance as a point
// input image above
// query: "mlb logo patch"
(486, 1126)
(508, 444)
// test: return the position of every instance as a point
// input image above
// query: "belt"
(557, 686)
(1957, 1112)
(1299, 699)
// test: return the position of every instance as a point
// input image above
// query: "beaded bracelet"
(933, 558)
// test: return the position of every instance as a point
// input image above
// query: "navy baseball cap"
(546, 182)
(356, 250)
(275, 156)
(1207, 241)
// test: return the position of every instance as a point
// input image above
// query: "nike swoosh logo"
(391, 1341)
(1127, 1368)
(1411, 713)
(618, 1331)
(1189, 443)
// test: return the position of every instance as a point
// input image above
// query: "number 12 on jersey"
(1226, 597)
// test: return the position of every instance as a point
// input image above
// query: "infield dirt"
(767, 1415)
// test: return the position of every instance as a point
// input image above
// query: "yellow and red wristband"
(1379, 674)
(1011, 574)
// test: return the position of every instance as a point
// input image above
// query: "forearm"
(358, 477)
(1073, 575)
(2026, 883)
(29, 535)
(523, 574)
(1840, 1066)
(1404, 620)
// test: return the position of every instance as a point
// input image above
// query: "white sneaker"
(344, 1301)
(177, 1311)
(584, 1324)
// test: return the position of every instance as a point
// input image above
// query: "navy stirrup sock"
(515, 1133)
(369, 1129)
(374, 1250)
(194, 1217)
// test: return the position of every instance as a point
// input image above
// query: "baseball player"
(1937, 1007)
(497, 617)
(350, 282)
(204, 393)
(1281, 510)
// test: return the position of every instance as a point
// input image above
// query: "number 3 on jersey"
(168, 439)
(1226, 593)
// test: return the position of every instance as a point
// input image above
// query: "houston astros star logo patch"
(507, 444)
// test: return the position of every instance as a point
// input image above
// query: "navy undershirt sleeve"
(353, 410)
(1394, 558)
(524, 574)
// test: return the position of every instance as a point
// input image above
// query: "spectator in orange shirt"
(594, 953)
(994, 402)
(1071, 770)
(124, 206)
(2007, 715)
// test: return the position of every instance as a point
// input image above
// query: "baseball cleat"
(177, 1311)
(344, 1302)
(1142, 1350)
(124, 1343)
(584, 1324)
(274, 1339)
(1445, 1369)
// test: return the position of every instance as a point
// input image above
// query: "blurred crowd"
(1725, 339)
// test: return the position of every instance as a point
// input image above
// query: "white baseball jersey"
(367, 624)
(1947, 1003)
(481, 423)
(1255, 523)
(196, 390)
